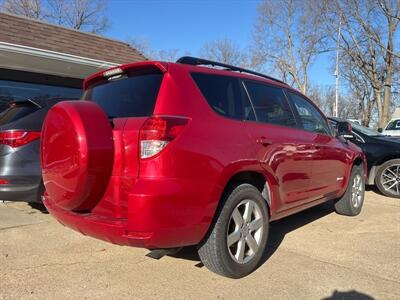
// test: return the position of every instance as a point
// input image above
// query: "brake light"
(157, 132)
(18, 138)
(3, 181)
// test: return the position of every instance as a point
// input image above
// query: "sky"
(187, 24)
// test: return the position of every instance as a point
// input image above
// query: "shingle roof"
(32, 33)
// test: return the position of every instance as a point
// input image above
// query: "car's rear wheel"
(388, 178)
(350, 204)
(235, 246)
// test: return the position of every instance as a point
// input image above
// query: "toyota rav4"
(165, 155)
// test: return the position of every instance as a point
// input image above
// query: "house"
(38, 59)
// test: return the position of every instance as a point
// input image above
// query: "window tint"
(270, 104)
(13, 90)
(224, 95)
(394, 125)
(16, 111)
(130, 96)
(310, 117)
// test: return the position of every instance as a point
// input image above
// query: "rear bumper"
(106, 229)
(163, 213)
(21, 168)
(20, 192)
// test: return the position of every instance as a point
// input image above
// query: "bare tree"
(85, 15)
(368, 45)
(225, 51)
(360, 90)
(28, 8)
(323, 97)
(143, 46)
(288, 37)
(171, 55)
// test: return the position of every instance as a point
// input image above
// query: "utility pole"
(337, 68)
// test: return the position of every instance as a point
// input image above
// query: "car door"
(280, 147)
(330, 157)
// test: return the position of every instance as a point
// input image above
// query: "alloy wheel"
(390, 179)
(245, 231)
(357, 190)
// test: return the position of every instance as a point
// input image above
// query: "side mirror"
(344, 130)
(380, 130)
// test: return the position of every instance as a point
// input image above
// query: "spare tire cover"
(77, 154)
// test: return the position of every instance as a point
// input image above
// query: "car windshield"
(365, 130)
(393, 125)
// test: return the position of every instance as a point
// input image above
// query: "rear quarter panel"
(208, 152)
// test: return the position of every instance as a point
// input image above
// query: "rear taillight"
(157, 132)
(18, 138)
(3, 181)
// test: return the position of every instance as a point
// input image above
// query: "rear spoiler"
(99, 76)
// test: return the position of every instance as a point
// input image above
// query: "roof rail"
(195, 61)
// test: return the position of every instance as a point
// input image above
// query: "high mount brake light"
(113, 72)
(18, 138)
(157, 132)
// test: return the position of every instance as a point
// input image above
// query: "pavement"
(315, 254)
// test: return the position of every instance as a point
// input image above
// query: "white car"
(392, 128)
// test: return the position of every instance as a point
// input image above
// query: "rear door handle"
(263, 141)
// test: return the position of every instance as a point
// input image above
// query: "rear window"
(16, 111)
(132, 95)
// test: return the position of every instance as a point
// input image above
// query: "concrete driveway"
(316, 254)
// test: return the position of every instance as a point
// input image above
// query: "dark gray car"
(20, 126)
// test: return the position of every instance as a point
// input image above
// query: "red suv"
(166, 155)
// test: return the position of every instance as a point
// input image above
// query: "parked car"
(392, 128)
(383, 157)
(354, 121)
(20, 127)
(165, 155)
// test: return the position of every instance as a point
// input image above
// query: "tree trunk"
(379, 106)
(387, 100)
(389, 59)
(367, 119)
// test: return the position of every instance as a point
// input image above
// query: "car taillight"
(157, 132)
(3, 181)
(18, 138)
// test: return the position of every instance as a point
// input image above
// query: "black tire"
(348, 205)
(382, 177)
(214, 251)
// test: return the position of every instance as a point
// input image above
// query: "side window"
(394, 125)
(223, 94)
(333, 127)
(270, 104)
(310, 117)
